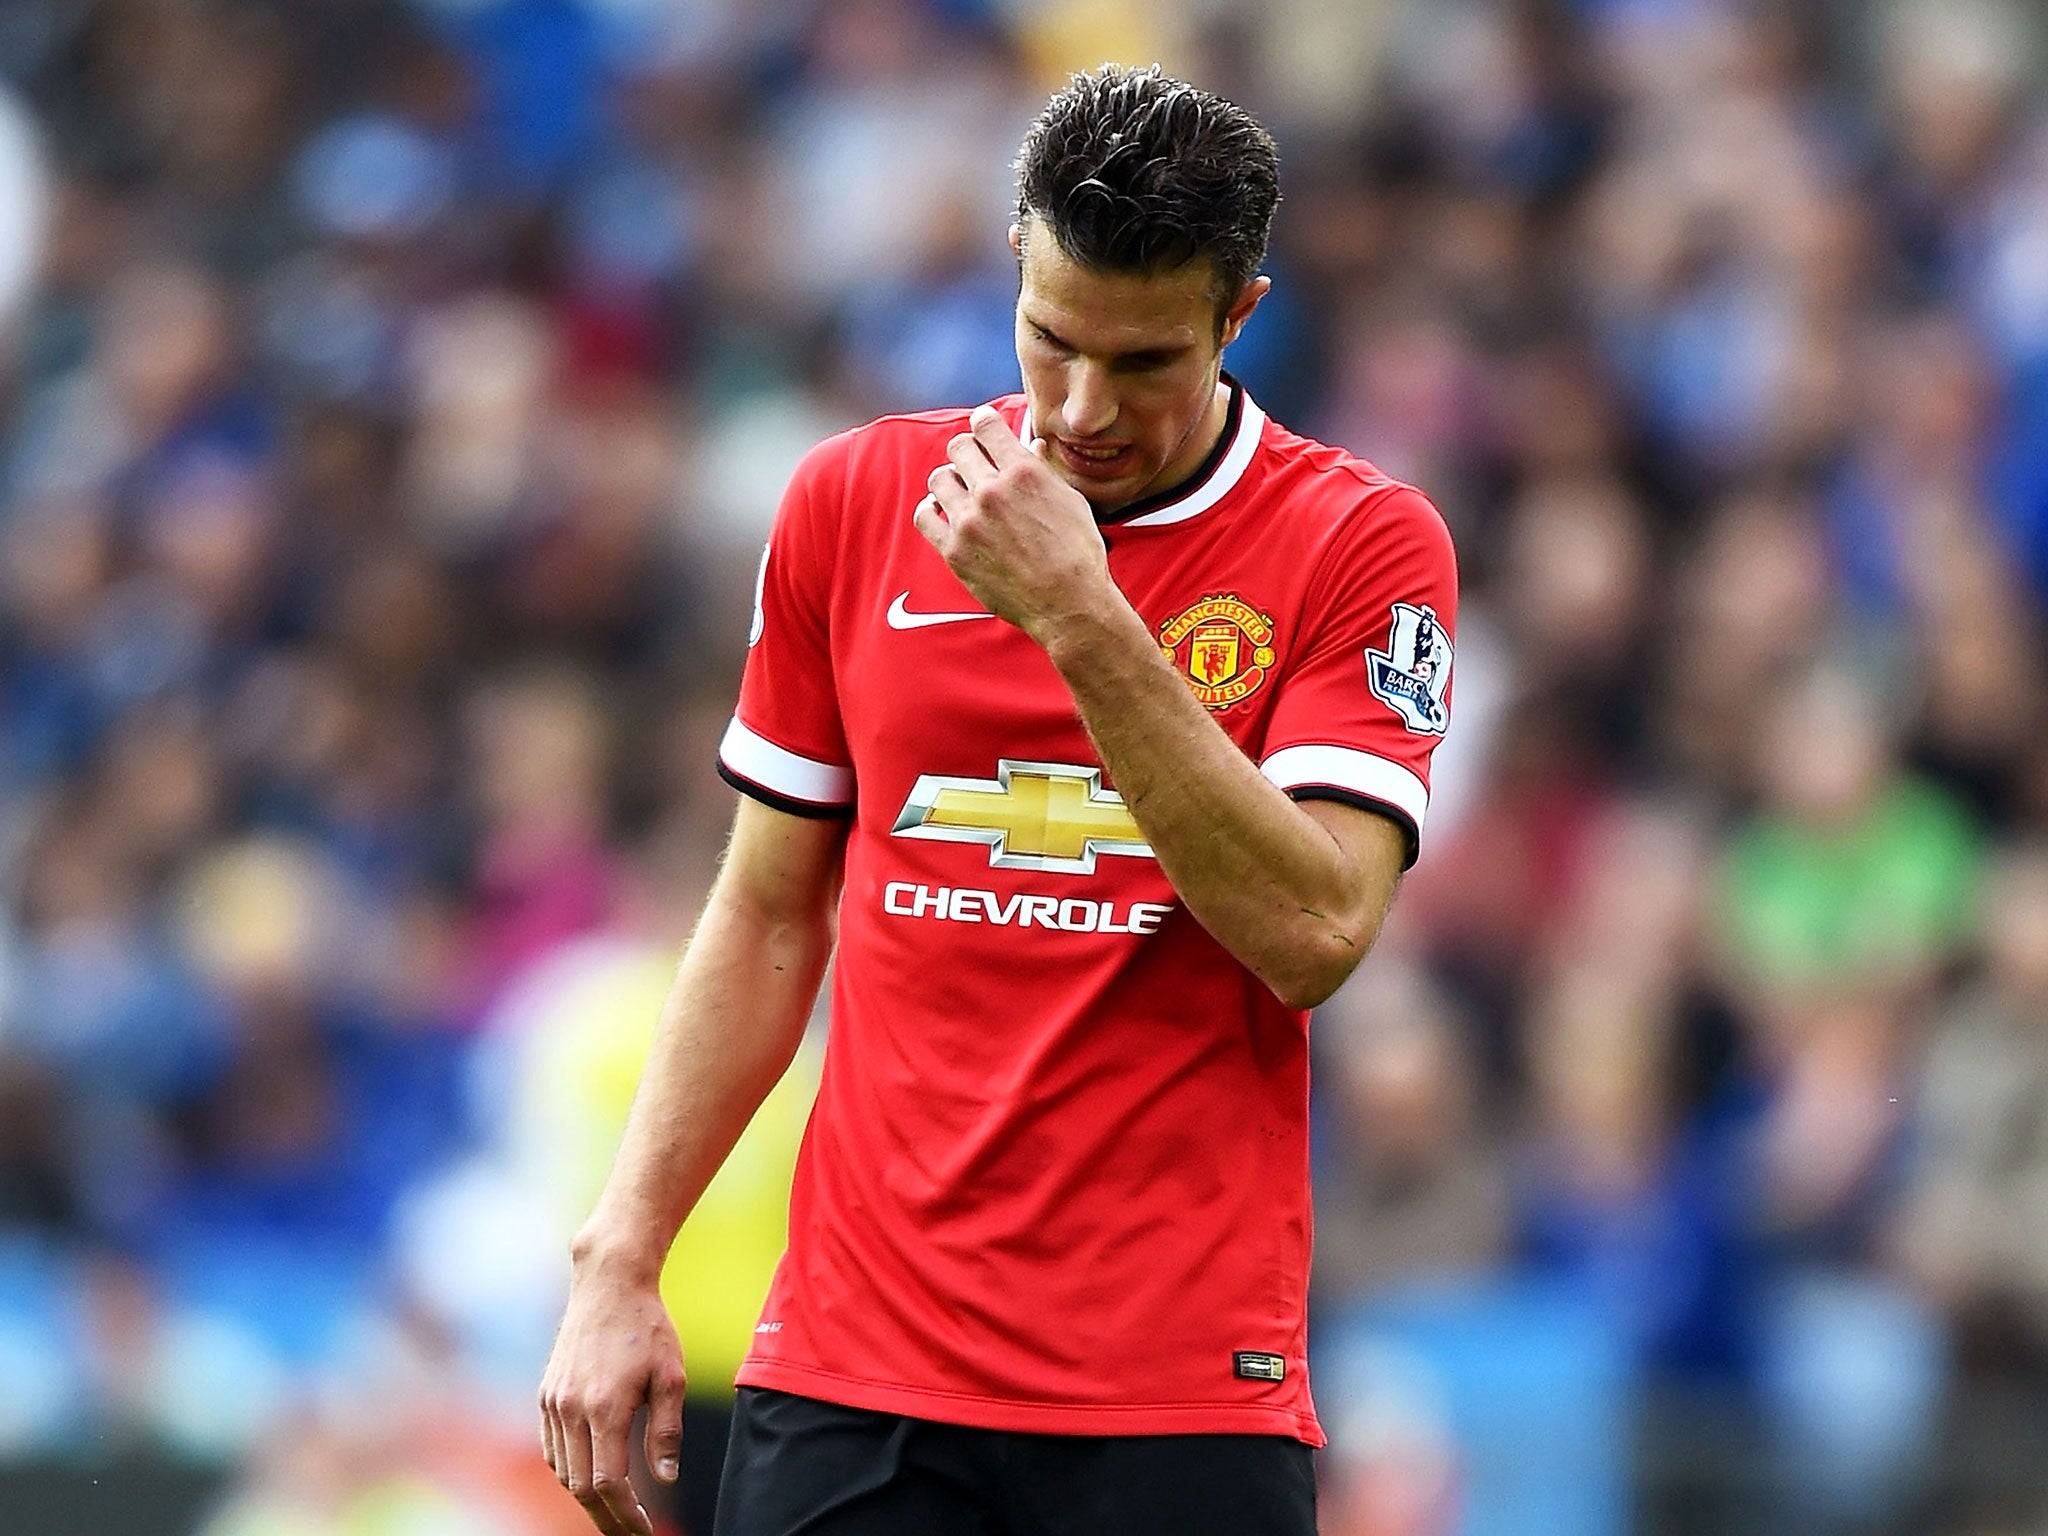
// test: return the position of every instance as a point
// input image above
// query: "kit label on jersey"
(1253, 1366)
(1223, 647)
(1412, 675)
(1046, 816)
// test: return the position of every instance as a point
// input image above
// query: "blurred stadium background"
(395, 397)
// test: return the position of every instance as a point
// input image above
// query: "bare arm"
(1295, 892)
(731, 1024)
(730, 1027)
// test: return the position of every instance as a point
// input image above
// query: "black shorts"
(799, 1467)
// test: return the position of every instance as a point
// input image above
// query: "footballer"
(1088, 732)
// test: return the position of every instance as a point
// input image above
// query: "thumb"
(665, 1426)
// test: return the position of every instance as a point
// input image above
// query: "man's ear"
(1242, 306)
(1017, 241)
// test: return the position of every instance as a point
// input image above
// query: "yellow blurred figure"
(585, 1063)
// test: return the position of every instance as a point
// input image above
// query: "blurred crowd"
(385, 449)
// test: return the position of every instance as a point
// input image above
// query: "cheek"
(1044, 383)
(1170, 414)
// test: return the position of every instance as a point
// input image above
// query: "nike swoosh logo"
(901, 617)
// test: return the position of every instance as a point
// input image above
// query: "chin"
(1107, 495)
(1106, 499)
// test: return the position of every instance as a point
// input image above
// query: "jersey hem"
(974, 1412)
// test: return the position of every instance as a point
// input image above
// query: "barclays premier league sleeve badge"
(1412, 675)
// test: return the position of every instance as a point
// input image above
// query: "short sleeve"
(786, 745)
(1368, 695)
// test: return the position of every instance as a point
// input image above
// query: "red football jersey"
(1057, 1178)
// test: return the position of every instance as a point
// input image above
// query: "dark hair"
(1134, 171)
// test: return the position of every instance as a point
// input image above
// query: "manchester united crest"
(1222, 645)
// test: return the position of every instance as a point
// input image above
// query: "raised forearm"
(1271, 884)
(1290, 898)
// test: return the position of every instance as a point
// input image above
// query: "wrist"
(625, 1250)
(1074, 639)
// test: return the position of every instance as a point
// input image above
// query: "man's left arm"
(1296, 891)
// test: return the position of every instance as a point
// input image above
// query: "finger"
(581, 1478)
(665, 1426)
(948, 488)
(548, 1439)
(969, 459)
(610, 1477)
(575, 1450)
(931, 522)
(995, 437)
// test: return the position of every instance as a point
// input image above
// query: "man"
(1097, 721)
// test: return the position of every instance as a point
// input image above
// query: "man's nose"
(1091, 403)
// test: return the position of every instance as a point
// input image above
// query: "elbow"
(1305, 992)
(1320, 963)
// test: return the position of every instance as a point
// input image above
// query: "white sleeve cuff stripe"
(1347, 768)
(759, 761)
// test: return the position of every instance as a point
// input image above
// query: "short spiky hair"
(1134, 171)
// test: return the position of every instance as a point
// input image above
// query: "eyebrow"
(1137, 355)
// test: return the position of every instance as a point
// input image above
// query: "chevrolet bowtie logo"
(1032, 816)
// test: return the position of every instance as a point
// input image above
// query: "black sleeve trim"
(1384, 808)
(769, 797)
